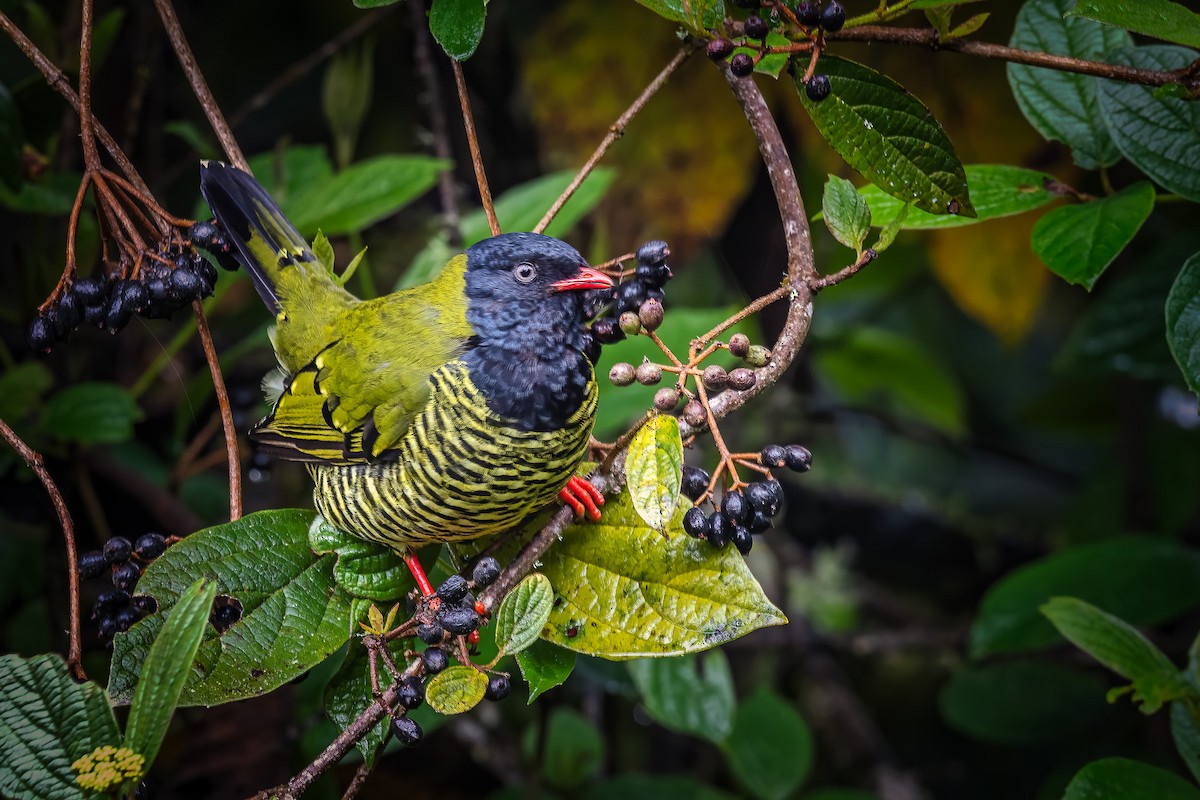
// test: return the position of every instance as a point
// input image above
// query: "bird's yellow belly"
(461, 473)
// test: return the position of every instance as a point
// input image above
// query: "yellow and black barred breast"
(462, 471)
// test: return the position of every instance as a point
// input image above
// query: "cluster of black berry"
(117, 609)
(456, 614)
(743, 512)
(829, 16)
(637, 302)
(167, 281)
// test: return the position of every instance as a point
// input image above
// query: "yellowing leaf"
(654, 468)
(992, 274)
(456, 689)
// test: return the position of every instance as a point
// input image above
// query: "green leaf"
(1186, 732)
(12, 142)
(47, 721)
(889, 232)
(456, 689)
(53, 195)
(1161, 136)
(890, 137)
(364, 569)
(1183, 322)
(698, 16)
(349, 693)
(659, 787)
(997, 190)
(192, 136)
(889, 369)
(1022, 703)
(374, 3)
(574, 750)
(1141, 580)
(290, 174)
(522, 207)
(770, 749)
(846, 213)
(1161, 19)
(654, 470)
(346, 95)
(294, 615)
(165, 670)
(968, 26)
(1063, 105)
(21, 389)
(364, 193)
(545, 666)
(622, 591)
(323, 250)
(523, 613)
(458, 26)
(1122, 779)
(687, 694)
(92, 413)
(773, 64)
(1078, 242)
(1120, 647)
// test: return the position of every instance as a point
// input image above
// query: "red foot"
(581, 496)
(418, 573)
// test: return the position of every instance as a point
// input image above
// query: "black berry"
(89, 291)
(761, 498)
(756, 27)
(410, 694)
(117, 550)
(430, 632)
(126, 618)
(741, 65)
(108, 627)
(92, 563)
(759, 522)
(798, 458)
(833, 16)
(718, 50)
(817, 88)
(773, 455)
(125, 576)
(498, 687)
(110, 600)
(734, 506)
(460, 621)
(135, 294)
(117, 315)
(150, 546)
(719, 529)
(606, 330)
(143, 604)
(486, 571)
(808, 13)
(41, 334)
(407, 731)
(435, 659)
(695, 522)
(742, 540)
(654, 252)
(695, 482)
(70, 310)
(453, 589)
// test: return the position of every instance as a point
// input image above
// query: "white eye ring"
(524, 272)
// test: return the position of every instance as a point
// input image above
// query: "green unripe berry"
(630, 323)
(622, 373)
(758, 356)
(715, 378)
(739, 344)
(666, 399)
(741, 379)
(648, 373)
(651, 314)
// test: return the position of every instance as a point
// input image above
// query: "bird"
(440, 413)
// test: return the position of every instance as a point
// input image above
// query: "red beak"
(586, 278)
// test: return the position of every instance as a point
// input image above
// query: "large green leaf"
(523, 613)
(1183, 322)
(47, 721)
(846, 213)
(1160, 135)
(698, 16)
(364, 569)
(689, 694)
(1161, 19)
(654, 470)
(364, 193)
(623, 591)
(1063, 105)
(1122, 779)
(1078, 242)
(890, 137)
(1022, 703)
(1185, 729)
(165, 670)
(1141, 580)
(545, 666)
(874, 365)
(1122, 648)
(294, 613)
(770, 749)
(92, 413)
(458, 25)
(997, 190)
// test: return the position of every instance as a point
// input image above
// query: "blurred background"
(976, 423)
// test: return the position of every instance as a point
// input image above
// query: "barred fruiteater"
(439, 413)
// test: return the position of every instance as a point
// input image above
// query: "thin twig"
(928, 37)
(216, 118)
(615, 131)
(91, 157)
(485, 193)
(359, 780)
(866, 257)
(231, 446)
(34, 461)
(438, 124)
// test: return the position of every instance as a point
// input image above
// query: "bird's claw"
(582, 497)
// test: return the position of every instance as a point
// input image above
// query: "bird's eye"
(524, 272)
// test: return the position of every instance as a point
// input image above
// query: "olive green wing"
(356, 398)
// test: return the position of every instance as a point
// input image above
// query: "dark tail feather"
(266, 242)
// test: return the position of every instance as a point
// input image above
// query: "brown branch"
(231, 446)
(34, 461)
(835, 278)
(359, 780)
(615, 131)
(91, 157)
(928, 37)
(485, 193)
(439, 125)
(216, 119)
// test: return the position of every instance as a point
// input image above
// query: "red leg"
(418, 573)
(581, 496)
